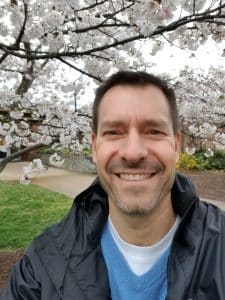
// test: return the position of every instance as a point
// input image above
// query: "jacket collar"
(183, 194)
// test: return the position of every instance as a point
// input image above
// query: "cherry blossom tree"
(26, 128)
(98, 32)
(201, 101)
(41, 40)
(40, 118)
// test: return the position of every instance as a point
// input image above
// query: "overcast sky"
(173, 59)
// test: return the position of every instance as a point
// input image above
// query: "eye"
(154, 131)
(111, 132)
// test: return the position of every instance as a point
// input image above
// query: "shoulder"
(207, 221)
(214, 217)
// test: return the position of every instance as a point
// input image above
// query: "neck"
(144, 230)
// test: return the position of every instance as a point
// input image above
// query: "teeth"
(134, 177)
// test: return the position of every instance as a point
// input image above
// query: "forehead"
(129, 101)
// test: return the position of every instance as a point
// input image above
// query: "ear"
(93, 139)
(177, 144)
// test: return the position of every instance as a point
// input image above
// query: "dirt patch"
(7, 260)
(208, 184)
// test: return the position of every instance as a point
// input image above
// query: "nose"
(133, 148)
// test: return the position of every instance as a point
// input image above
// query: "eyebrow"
(148, 122)
(156, 122)
(112, 123)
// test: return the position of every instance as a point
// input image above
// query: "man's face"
(135, 149)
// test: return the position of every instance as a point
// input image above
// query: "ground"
(209, 185)
(7, 260)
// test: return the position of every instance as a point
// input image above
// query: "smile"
(134, 177)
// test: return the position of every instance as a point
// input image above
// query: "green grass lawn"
(25, 210)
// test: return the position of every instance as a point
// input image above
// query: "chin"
(137, 210)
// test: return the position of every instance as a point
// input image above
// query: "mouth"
(135, 177)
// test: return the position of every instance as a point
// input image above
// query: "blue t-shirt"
(124, 284)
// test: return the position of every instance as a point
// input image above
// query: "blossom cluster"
(32, 170)
(58, 27)
(44, 117)
(201, 101)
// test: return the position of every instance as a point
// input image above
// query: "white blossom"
(220, 138)
(6, 126)
(25, 180)
(56, 160)
(2, 131)
(47, 140)
(8, 140)
(52, 20)
(16, 114)
(193, 129)
(64, 140)
(209, 153)
(32, 170)
(190, 150)
(36, 166)
(27, 76)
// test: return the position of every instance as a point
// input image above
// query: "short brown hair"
(135, 78)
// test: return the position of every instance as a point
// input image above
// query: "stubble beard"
(135, 201)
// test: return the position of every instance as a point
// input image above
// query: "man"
(139, 231)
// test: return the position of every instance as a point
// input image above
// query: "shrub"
(217, 161)
(187, 162)
(199, 161)
(87, 152)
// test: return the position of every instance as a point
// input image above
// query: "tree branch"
(21, 33)
(17, 154)
(79, 70)
(209, 17)
(4, 56)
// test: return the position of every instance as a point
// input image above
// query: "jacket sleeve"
(21, 283)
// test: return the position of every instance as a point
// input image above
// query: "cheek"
(93, 155)
(105, 153)
(166, 152)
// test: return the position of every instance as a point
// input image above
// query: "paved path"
(62, 181)
(59, 180)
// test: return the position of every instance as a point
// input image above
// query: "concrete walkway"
(62, 181)
(65, 182)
